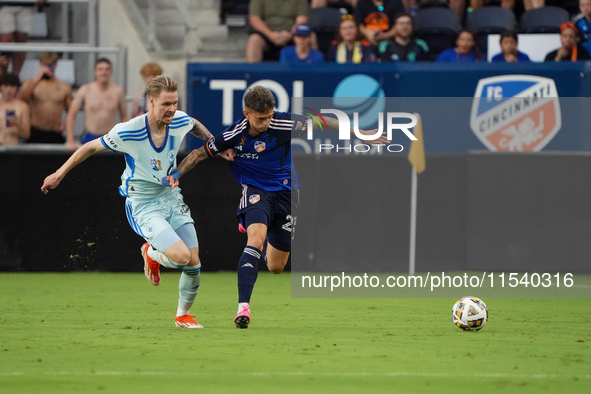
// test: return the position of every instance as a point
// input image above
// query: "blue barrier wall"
(444, 94)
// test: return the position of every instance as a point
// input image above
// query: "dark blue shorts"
(275, 209)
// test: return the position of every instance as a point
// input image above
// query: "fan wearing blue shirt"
(465, 50)
(509, 52)
(583, 23)
(301, 52)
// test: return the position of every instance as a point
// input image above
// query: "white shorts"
(158, 220)
(16, 18)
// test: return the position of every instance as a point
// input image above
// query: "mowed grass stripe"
(86, 332)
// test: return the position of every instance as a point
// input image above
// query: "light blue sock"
(188, 288)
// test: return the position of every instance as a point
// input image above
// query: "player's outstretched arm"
(186, 165)
(87, 150)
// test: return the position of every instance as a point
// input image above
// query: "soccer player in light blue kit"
(157, 213)
(260, 145)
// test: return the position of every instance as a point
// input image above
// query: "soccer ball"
(469, 313)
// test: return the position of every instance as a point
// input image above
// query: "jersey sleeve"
(112, 140)
(294, 123)
(181, 124)
(226, 139)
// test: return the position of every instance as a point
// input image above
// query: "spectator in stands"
(465, 51)
(531, 4)
(16, 23)
(139, 105)
(102, 100)
(403, 47)
(570, 50)
(273, 23)
(302, 52)
(48, 97)
(376, 18)
(15, 122)
(509, 52)
(583, 23)
(349, 47)
(3, 64)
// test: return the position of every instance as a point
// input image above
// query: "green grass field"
(98, 332)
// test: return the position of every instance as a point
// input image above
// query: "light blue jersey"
(146, 165)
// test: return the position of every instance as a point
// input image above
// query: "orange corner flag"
(416, 153)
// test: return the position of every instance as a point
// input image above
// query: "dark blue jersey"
(263, 161)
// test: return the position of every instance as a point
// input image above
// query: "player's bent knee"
(276, 267)
(276, 270)
(179, 256)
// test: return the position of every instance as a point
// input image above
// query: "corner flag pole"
(416, 157)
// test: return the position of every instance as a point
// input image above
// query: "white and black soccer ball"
(470, 313)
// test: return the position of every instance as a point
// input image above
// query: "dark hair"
(477, 54)
(259, 99)
(10, 80)
(508, 33)
(103, 60)
(400, 15)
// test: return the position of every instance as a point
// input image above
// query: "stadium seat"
(545, 19)
(324, 21)
(438, 27)
(490, 20)
(234, 12)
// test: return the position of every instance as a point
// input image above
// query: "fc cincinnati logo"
(516, 113)
(260, 146)
(254, 198)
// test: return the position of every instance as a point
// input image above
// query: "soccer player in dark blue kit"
(261, 163)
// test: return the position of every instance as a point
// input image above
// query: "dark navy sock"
(248, 269)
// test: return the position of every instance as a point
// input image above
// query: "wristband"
(175, 175)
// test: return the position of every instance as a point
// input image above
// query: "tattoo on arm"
(200, 131)
(191, 160)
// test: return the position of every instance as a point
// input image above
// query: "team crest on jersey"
(516, 113)
(171, 155)
(254, 198)
(259, 146)
(156, 164)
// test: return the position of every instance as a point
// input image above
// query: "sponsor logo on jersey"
(109, 141)
(516, 113)
(156, 164)
(259, 146)
(171, 155)
(285, 181)
(254, 198)
(183, 208)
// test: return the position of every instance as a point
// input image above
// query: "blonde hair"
(151, 69)
(161, 83)
(48, 57)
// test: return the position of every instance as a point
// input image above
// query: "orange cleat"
(186, 321)
(151, 267)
